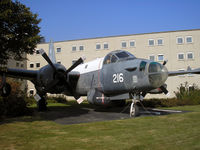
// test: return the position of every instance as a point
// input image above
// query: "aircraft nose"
(158, 74)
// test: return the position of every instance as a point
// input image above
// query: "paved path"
(75, 115)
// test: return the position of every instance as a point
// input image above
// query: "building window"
(105, 45)
(132, 43)
(73, 48)
(81, 48)
(98, 46)
(22, 65)
(58, 50)
(152, 58)
(160, 57)
(17, 64)
(37, 65)
(190, 55)
(181, 56)
(124, 44)
(189, 39)
(151, 42)
(31, 65)
(179, 40)
(160, 41)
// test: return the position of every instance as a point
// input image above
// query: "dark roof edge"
(122, 35)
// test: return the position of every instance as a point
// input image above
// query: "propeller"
(62, 76)
(165, 62)
(46, 57)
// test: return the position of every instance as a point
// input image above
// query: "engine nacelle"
(5, 90)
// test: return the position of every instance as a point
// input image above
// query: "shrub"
(14, 104)
(184, 96)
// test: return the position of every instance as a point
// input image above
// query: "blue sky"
(78, 19)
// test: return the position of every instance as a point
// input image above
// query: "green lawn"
(171, 132)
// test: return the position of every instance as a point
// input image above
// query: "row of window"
(181, 56)
(99, 46)
(32, 65)
(180, 40)
(160, 57)
(152, 42)
(58, 50)
(188, 55)
(37, 65)
(80, 48)
(18, 64)
(126, 44)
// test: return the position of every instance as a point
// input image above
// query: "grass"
(177, 131)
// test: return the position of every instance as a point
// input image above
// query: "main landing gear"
(41, 102)
(134, 109)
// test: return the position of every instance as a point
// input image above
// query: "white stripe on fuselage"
(90, 66)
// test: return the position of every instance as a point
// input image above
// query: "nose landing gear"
(134, 109)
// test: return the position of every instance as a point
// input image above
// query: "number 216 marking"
(118, 78)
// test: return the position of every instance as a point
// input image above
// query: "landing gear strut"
(41, 102)
(134, 109)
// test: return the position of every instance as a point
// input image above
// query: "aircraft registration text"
(118, 78)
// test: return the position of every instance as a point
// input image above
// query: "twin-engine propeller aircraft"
(105, 81)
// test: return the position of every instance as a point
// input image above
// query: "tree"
(19, 30)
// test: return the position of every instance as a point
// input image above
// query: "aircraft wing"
(19, 73)
(175, 73)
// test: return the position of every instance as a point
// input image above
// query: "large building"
(180, 48)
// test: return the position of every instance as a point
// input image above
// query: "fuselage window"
(143, 65)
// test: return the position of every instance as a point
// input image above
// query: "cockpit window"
(122, 55)
(113, 59)
(155, 67)
(143, 65)
(110, 59)
(117, 56)
(107, 59)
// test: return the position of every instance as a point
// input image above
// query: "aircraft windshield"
(155, 67)
(122, 55)
(118, 55)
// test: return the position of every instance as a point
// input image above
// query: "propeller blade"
(46, 57)
(164, 89)
(78, 62)
(165, 62)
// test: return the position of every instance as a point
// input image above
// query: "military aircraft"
(105, 81)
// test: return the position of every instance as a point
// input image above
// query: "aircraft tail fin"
(52, 55)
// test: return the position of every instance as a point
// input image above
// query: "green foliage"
(15, 104)
(18, 30)
(184, 96)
